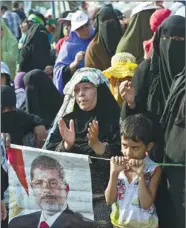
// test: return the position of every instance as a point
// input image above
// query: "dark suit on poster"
(32, 220)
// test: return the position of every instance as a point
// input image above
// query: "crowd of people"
(109, 86)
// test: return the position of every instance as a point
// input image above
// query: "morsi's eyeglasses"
(52, 184)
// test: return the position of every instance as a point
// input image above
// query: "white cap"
(4, 69)
(79, 19)
(144, 6)
(67, 18)
(175, 7)
(181, 11)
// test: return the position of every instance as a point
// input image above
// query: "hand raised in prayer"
(127, 93)
(118, 164)
(93, 132)
(3, 210)
(40, 134)
(68, 134)
(93, 140)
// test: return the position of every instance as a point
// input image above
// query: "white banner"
(42, 181)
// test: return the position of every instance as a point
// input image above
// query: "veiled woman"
(86, 124)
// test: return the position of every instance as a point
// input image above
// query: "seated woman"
(17, 122)
(122, 69)
(88, 123)
(42, 97)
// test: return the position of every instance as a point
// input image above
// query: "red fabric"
(15, 158)
(148, 46)
(60, 43)
(158, 17)
(44, 225)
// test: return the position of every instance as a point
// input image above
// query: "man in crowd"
(50, 191)
(19, 12)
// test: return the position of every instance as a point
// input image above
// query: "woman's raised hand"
(68, 134)
(93, 132)
(127, 93)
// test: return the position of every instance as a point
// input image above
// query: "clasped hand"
(119, 164)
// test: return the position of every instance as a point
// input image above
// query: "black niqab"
(109, 29)
(169, 59)
(42, 97)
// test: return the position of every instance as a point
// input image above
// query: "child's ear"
(149, 146)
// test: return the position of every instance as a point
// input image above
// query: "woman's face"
(86, 96)
(84, 31)
(3, 79)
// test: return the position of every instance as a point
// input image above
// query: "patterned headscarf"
(92, 75)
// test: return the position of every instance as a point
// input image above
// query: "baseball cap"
(67, 18)
(79, 18)
(4, 69)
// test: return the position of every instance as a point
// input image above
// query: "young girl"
(134, 178)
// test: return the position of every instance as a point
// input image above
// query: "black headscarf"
(173, 120)
(109, 32)
(167, 62)
(35, 53)
(42, 97)
(8, 97)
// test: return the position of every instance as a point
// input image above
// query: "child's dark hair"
(138, 128)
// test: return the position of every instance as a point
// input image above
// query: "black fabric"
(173, 120)
(4, 182)
(168, 63)
(176, 183)
(35, 53)
(42, 97)
(18, 123)
(109, 32)
(8, 97)
(67, 74)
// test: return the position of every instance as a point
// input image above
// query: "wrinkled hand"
(118, 164)
(136, 166)
(68, 134)
(40, 134)
(127, 93)
(93, 132)
(3, 210)
(79, 57)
